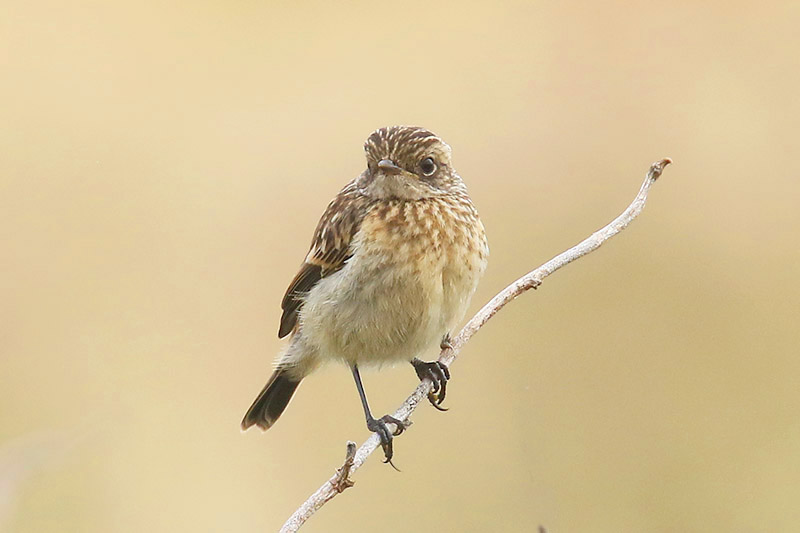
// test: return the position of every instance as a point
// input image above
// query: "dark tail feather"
(271, 401)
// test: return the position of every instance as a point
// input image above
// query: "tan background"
(162, 169)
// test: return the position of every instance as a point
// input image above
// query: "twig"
(531, 280)
(341, 480)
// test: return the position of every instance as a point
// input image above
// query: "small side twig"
(531, 280)
(341, 480)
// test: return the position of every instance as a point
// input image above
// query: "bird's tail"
(271, 401)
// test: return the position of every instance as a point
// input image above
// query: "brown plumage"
(393, 264)
(330, 248)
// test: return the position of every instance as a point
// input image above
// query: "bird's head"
(407, 162)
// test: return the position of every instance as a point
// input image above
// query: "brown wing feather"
(330, 250)
(308, 276)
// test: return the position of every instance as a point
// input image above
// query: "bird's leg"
(378, 425)
(438, 373)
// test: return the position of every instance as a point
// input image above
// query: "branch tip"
(657, 168)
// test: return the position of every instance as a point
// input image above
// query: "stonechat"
(393, 264)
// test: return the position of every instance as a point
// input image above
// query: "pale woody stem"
(531, 280)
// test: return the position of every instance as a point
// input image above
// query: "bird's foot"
(438, 373)
(378, 425)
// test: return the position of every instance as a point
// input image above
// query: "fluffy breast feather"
(414, 268)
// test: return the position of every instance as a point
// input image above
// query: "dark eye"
(427, 166)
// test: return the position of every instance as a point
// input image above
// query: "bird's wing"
(330, 250)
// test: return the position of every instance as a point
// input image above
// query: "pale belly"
(389, 305)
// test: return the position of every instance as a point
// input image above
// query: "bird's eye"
(427, 166)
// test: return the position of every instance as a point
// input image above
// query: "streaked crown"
(405, 146)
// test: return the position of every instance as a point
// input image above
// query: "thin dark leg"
(378, 425)
(361, 393)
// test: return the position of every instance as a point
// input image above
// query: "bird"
(392, 267)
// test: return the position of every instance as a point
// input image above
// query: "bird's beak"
(388, 164)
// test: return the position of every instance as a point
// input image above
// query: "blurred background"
(162, 168)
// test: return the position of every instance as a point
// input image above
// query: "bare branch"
(531, 280)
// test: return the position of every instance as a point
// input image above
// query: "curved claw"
(438, 374)
(433, 399)
(380, 427)
(399, 424)
(392, 464)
